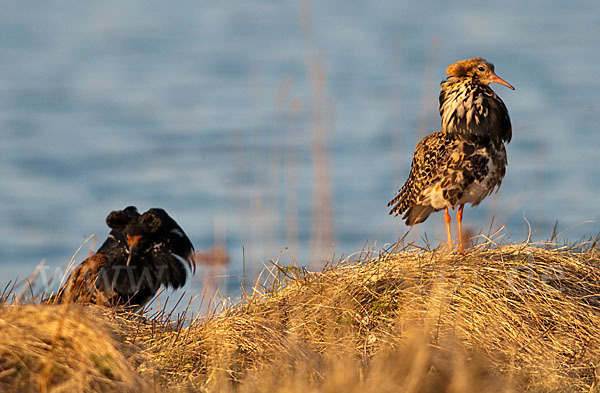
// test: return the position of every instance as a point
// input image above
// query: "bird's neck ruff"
(473, 110)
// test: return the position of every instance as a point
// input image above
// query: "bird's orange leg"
(459, 215)
(447, 218)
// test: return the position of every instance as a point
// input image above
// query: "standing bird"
(141, 253)
(466, 160)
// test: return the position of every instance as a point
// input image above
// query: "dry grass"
(507, 319)
(61, 349)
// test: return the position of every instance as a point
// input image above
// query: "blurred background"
(279, 130)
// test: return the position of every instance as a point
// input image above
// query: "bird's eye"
(481, 68)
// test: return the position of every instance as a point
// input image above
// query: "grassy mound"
(503, 319)
(61, 349)
(515, 318)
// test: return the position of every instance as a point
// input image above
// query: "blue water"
(210, 111)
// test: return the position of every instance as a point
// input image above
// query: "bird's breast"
(472, 109)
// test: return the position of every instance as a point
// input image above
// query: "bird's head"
(477, 69)
(138, 240)
(133, 240)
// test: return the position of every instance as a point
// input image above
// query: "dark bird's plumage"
(141, 254)
(466, 160)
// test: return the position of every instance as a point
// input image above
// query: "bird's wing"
(430, 154)
(170, 268)
(172, 236)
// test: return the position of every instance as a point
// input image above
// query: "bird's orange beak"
(133, 240)
(497, 79)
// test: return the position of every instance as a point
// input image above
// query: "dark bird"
(141, 254)
(466, 160)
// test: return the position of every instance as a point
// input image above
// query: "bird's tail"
(417, 214)
(404, 202)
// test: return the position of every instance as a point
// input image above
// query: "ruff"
(465, 161)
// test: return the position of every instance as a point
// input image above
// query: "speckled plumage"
(449, 170)
(466, 160)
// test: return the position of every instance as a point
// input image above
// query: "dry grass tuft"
(515, 318)
(59, 349)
